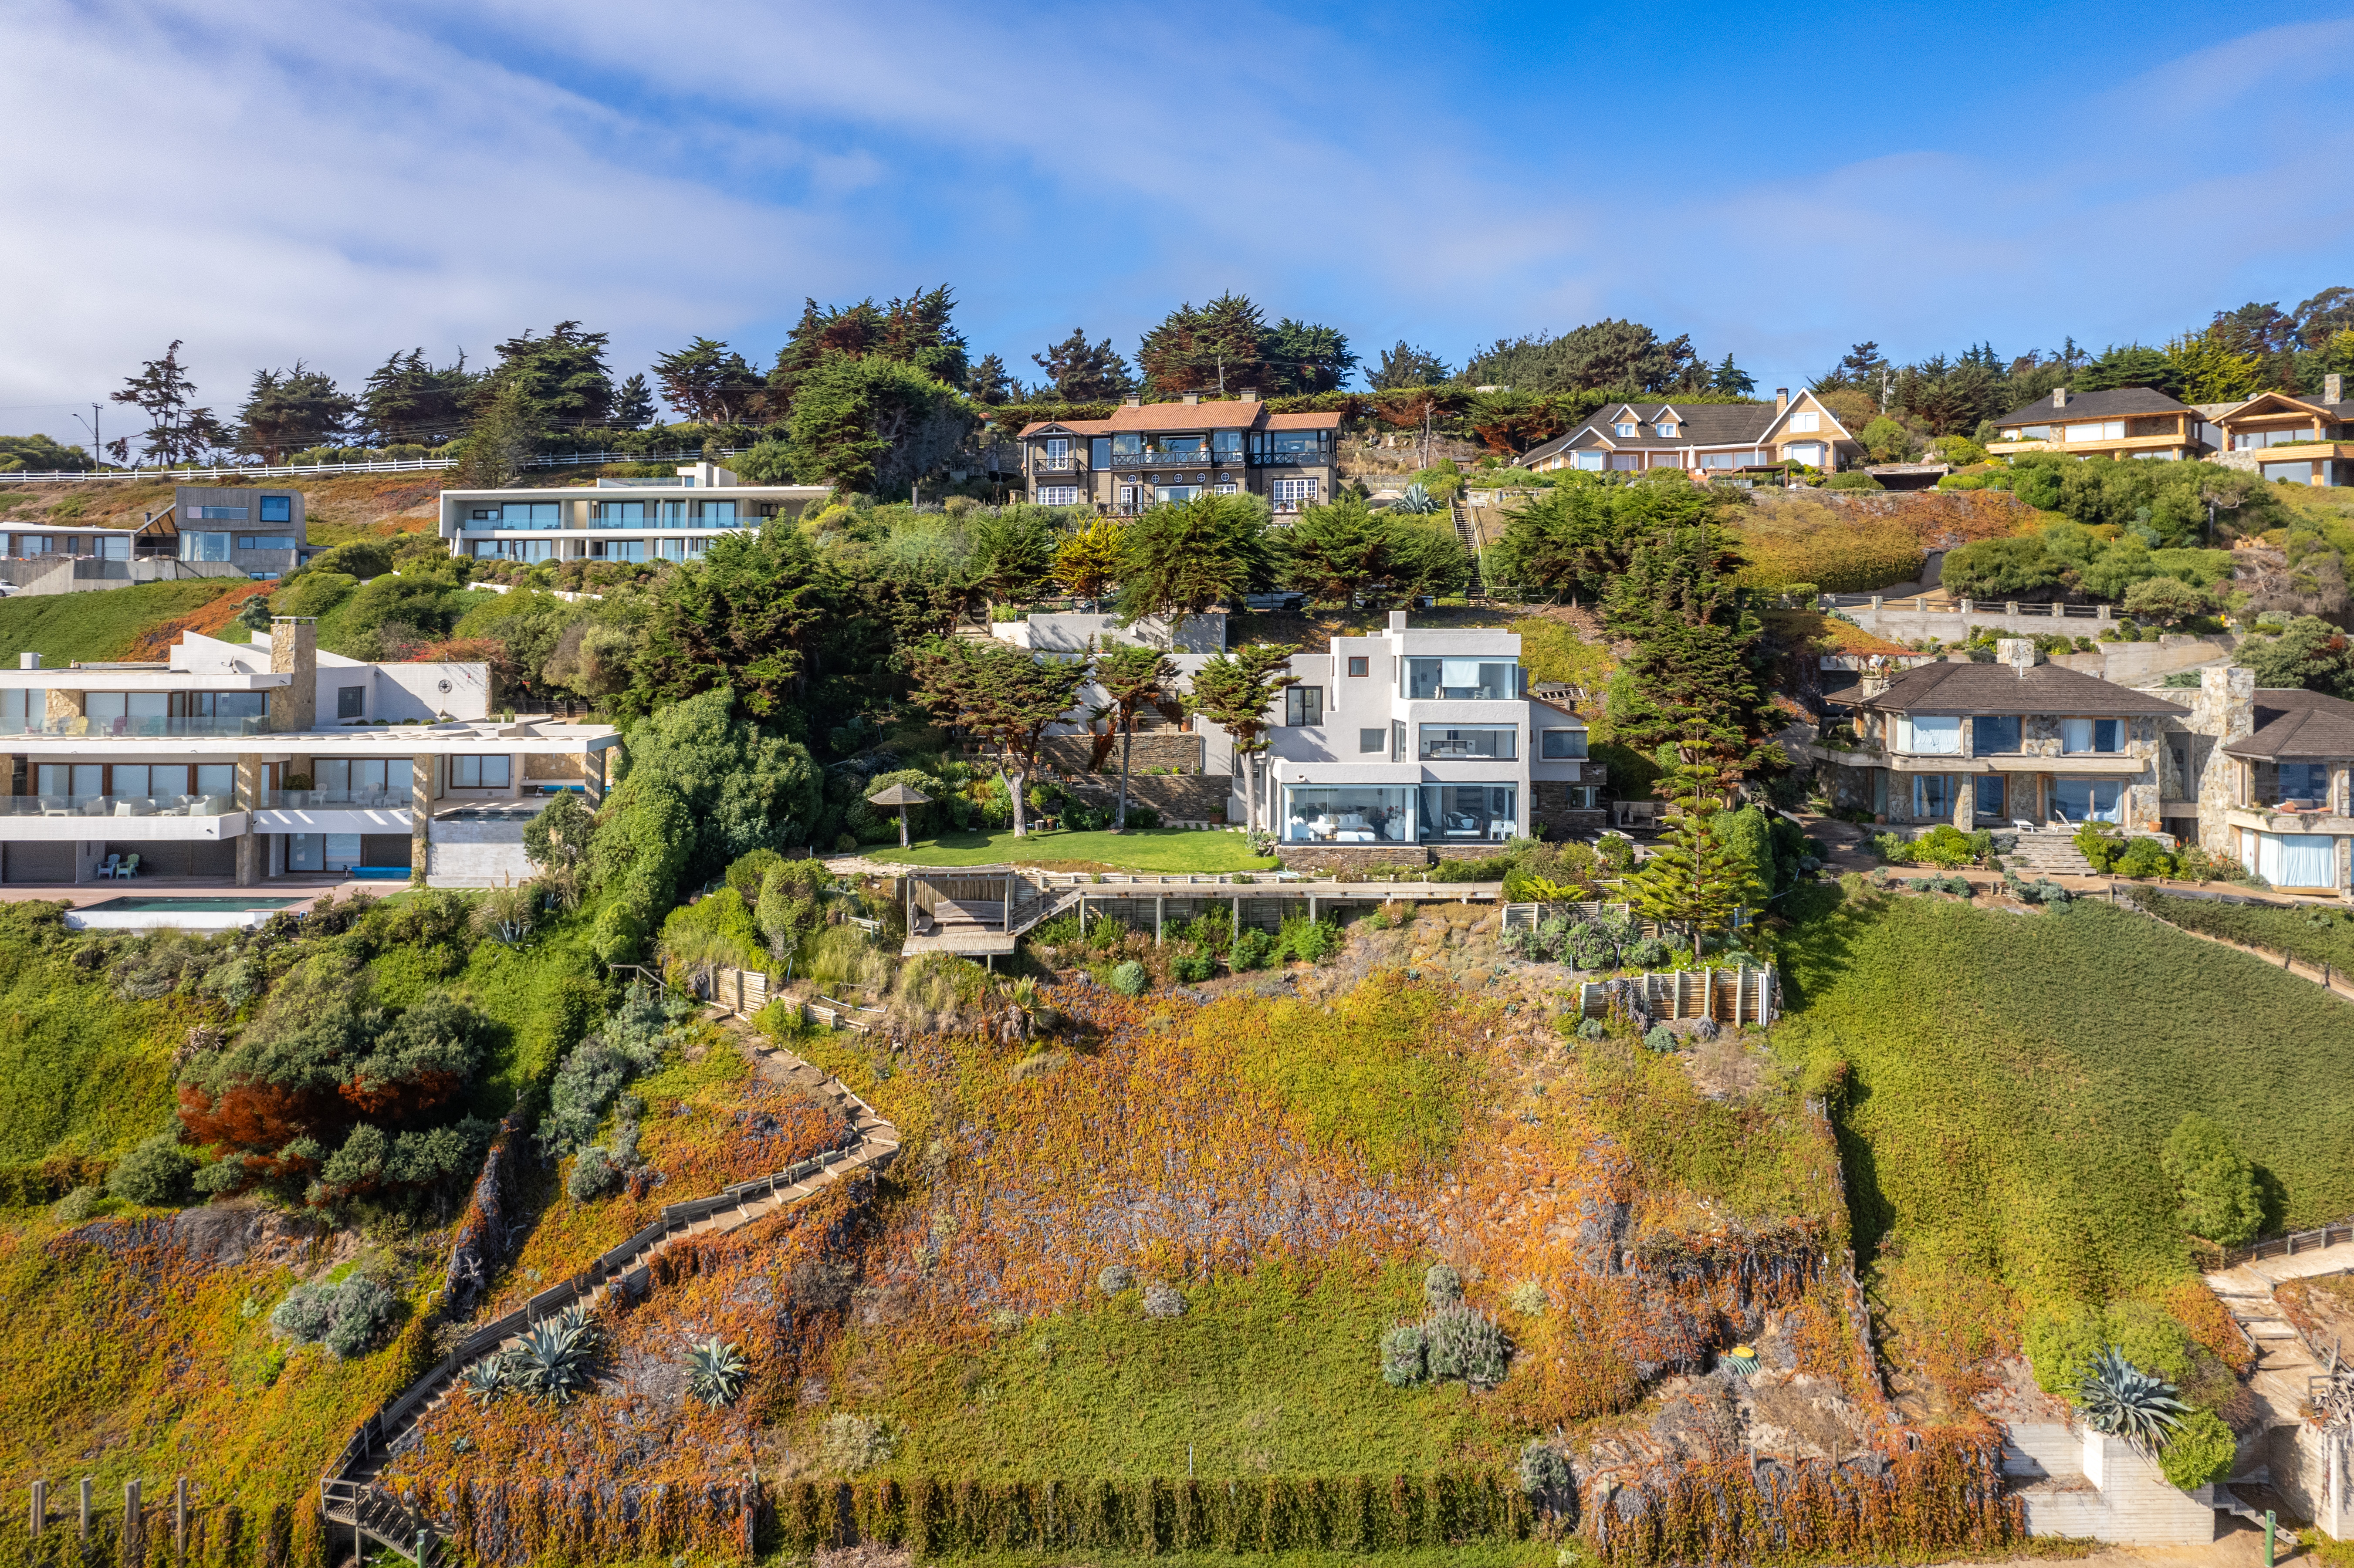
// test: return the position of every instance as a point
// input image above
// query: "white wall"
(414, 692)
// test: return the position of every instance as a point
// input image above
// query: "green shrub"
(1253, 949)
(1310, 941)
(2220, 1200)
(1403, 1357)
(1590, 1029)
(1891, 848)
(1661, 1038)
(154, 1174)
(346, 1318)
(1129, 979)
(2099, 844)
(2200, 1451)
(1442, 1286)
(2145, 857)
(1467, 1346)
(1191, 968)
(1946, 845)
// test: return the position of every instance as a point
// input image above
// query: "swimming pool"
(132, 913)
(186, 905)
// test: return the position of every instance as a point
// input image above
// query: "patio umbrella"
(899, 795)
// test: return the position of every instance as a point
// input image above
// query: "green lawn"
(98, 626)
(1140, 849)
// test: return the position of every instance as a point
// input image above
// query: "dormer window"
(1627, 429)
(1665, 428)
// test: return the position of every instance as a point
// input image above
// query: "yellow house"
(2122, 422)
(2296, 438)
(1704, 440)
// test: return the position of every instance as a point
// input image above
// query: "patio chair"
(2022, 825)
(130, 867)
(113, 867)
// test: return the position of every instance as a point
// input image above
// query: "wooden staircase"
(348, 1493)
(1475, 590)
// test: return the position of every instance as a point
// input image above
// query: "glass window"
(217, 513)
(204, 547)
(1172, 492)
(278, 509)
(1589, 460)
(1358, 665)
(1290, 494)
(1990, 801)
(130, 779)
(1397, 740)
(1462, 742)
(1933, 795)
(479, 772)
(1303, 706)
(2092, 734)
(1372, 740)
(351, 702)
(1348, 813)
(546, 514)
(216, 778)
(19, 704)
(2079, 799)
(303, 852)
(1059, 495)
(1995, 735)
(1805, 422)
(1932, 735)
(1100, 451)
(2297, 860)
(1460, 812)
(2098, 431)
(1472, 679)
(1627, 428)
(1295, 443)
(1128, 445)
(1808, 452)
(2031, 433)
(1184, 447)
(1563, 745)
(1666, 429)
(265, 541)
(670, 549)
(1058, 451)
(2304, 781)
(1721, 460)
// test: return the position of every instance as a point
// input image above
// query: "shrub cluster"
(346, 1318)
(1452, 1344)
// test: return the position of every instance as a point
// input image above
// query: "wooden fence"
(2291, 1245)
(1735, 996)
(1534, 915)
(742, 991)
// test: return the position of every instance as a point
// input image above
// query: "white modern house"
(1410, 742)
(672, 519)
(237, 764)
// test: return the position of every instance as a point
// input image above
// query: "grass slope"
(1144, 849)
(109, 624)
(2315, 934)
(2011, 1080)
(82, 1073)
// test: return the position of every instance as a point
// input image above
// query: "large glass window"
(1348, 813)
(717, 513)
(1463, 742)
(127, 705)
(1059, 495)
(217, 780)
(1455, 813)
(2099, 800)
(1989, 806)
(1805, 422)
(213, 514)
(2092, 734)
(1291, 494)
(277, 509)
(2297, 860)
(1932, 735)
(1130, 445)
(1181, 449)
(1100, 451)
(363, 780)
(321, 851)
(79, 780)
(1563, 745)
(1933, 795)
(22, 704)
(550, 514)
(204, 546)
(1372, 740)
(1473, 679)
(2303, 781)
(1995, 735)
(1227, 444)
(479, 772)
(2100, 430)
(1303, 706)
(620, 513)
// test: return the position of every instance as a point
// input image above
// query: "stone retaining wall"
(1153, 749)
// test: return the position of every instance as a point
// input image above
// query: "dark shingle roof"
(1974, 689)
(1699, 425)
(2114, 404)
(2299, 725)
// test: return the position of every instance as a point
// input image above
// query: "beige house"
(2295, 438)
(1706, 440)
(2122, 422)
(1151, 452)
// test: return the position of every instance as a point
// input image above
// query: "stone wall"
(1177, 748)
(1550, 810)
(1179, 798)
(476, 853)
(2222, 710)
(1364, 859)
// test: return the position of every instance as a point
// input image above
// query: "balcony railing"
(1175, 460)
(1066, 463)
(386, 799)
(1311, 458)
(82, 728)
(118, 805)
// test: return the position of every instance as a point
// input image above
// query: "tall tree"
(1081, 372)
(1731, 380)
(710, 383)
(289, 410)
(1692, 880)
(1182, 557)
(988, 383)
(177, 431)
(747, 618)
(1578, 538)
(1403, 365)
(500, 440)
(1308, 358)
(408, 398)
(633, 405)
(1335, 552)
(1132, 680)
(1690, 683)
(1002, 697)
(1236, 692)
(2324, 316)
(1860, 368)
(1220, 348)
(874, 424)
(916, 330)
(1012, 552)
(563, 373)
(1618, 356)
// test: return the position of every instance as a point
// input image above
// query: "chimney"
(1781, 399)
(1192, 398)
(294, 650)
(28, 660)
(1133, 401)
(2333, 389)
(2059, 396)
(1248, 394)
(1397, 620)
(2018, 653)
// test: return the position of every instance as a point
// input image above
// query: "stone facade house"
(2276, 791)
(2121, 422)
(2295, 438)
(1147, 454)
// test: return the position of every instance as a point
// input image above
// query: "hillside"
(340, 507)
(2006, 1082)
(132, 622)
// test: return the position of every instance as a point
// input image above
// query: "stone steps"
(2049, 854)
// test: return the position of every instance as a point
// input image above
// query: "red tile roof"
(1216, 414)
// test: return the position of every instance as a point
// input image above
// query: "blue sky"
(268, 179)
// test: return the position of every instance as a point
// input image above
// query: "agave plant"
(1414, 498)
(716, 1371)
(2123, 1401)
(487, 1380)
(552, 1360)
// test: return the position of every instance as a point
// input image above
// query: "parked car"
(1274, 601)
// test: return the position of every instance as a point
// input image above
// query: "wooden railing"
(1736, 996)
(2289, 1245)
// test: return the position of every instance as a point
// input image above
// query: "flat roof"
(488, 735)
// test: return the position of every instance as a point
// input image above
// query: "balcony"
(86, 819)
(1176, 459)
(386, 799)
(1312, 457)
(78, 729)
(116, 805)
(1066, 463)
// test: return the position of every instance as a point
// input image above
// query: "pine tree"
(1003, 697)
(1690, 683)
(1087, 562)
(1081, 372)
(1692, 880)
(1132, 679)
(633, 405)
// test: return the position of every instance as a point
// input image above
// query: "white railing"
(388, 465)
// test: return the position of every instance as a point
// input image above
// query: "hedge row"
(1280, 1513)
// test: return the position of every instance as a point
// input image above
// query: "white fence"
(389, 465)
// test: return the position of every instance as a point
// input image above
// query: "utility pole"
(97, 440)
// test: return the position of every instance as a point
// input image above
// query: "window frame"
(1360, 665)
(1298, 702)
(1378, 740)
(459, 771)
(1544, 744)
